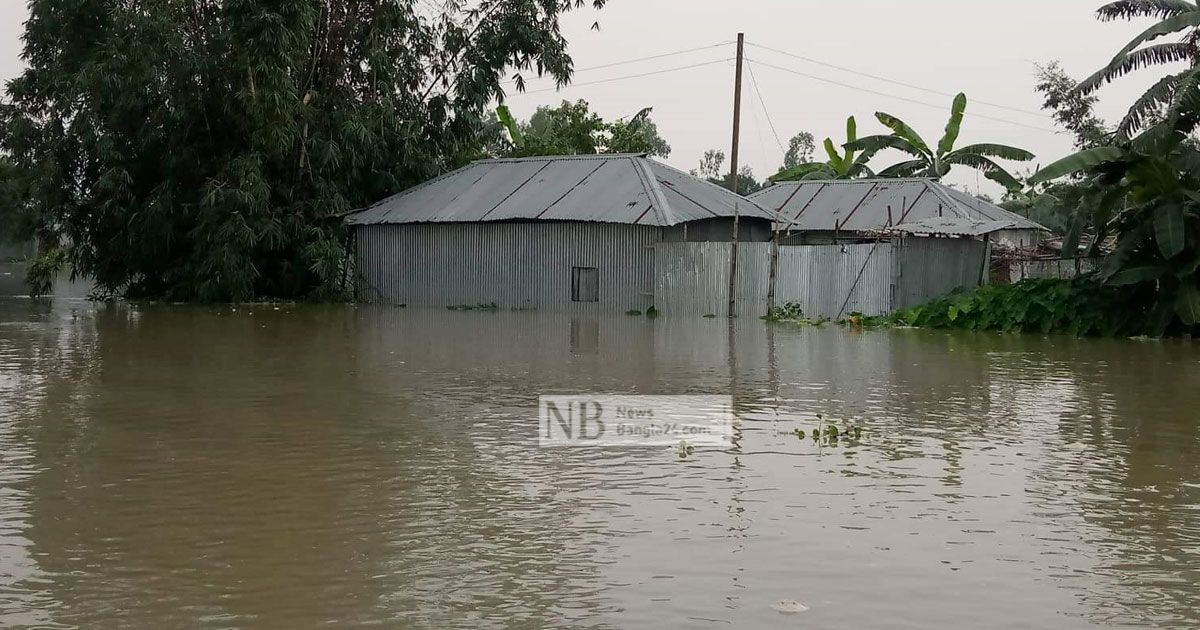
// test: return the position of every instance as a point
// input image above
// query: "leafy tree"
(1056, 205)
(573, 129)
(800, 150)
(1146, 194)
(18, 223)
(847, 166)
(747, 183)
(711, 169)
(1178, 93)
(207, 150)
(638, 135)
(1073, 110)
(711, 165)
(936, 162)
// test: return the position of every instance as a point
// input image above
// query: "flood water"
(206, 467)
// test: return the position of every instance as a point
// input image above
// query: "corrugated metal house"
(829, 211)
(566, 232)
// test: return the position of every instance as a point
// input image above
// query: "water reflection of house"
(839, 211)
(570, 233)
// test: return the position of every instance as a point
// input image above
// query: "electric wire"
(893, 81)
(900, 98)
(673, 53)
(763, 103)
(630, 76)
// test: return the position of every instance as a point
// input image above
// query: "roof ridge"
(739, 198)
(553, 158)
(955, 206)
(658, 201)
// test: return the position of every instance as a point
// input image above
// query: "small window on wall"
(585, 284)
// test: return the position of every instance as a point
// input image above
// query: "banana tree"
(1178, 92)
(510, 123)
(840, 166)
(1145, 193)
(936, 162)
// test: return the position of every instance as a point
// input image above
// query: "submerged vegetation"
(1081, 307)
(490, 306)
(828, 434)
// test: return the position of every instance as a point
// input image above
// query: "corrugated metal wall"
(929, 268)
(528, 265)
(829, 281)
(515, 265)
(1061, 268)
(693, 278)
(826, 280)
(835, 280)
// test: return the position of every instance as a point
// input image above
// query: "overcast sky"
(986, 49)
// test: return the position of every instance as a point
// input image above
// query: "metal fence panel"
(693, 278)
(930, 268)
(1061, 268)
(833, 281)
(826, 280)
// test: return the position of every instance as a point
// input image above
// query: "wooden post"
(983, 267)
(773, 274)
(733, 264)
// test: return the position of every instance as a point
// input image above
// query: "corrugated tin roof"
(625, 188)
(952, 226)
(875, 204)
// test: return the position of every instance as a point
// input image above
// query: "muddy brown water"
(206, 467)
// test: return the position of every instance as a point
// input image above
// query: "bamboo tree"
(206, 150)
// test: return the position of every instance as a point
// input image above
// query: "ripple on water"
(201, 467)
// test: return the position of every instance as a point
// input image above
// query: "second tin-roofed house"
(563, 232)
(828, 211)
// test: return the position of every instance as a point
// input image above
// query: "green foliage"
(573, 129)
(800, 150)
(45, 269)
(1061, 206)
(828, 434)
(18, 221)
(633, 313)
(490, 306)
(207, 150)
(1073, 110)
(785, 312)
(840, 166)
(711, 170)
(927, 162)
(1147, 196)
(1081, 307)
(1177, 96)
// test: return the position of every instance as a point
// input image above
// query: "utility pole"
(737, 113)
(733, 176)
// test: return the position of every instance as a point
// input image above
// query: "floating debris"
(789, 607)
